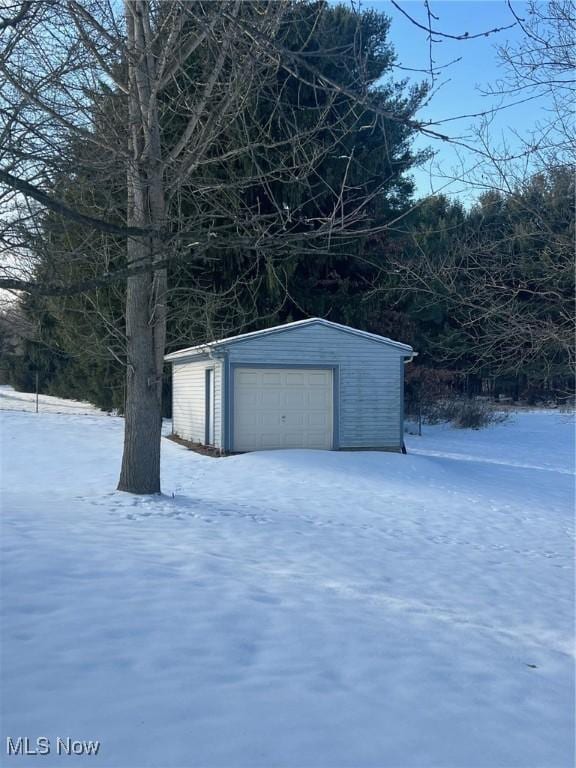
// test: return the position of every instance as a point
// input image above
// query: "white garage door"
(282, 408)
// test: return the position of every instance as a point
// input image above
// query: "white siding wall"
(371, 378)
(189, 400)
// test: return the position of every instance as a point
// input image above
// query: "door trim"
(209, 406)
(229, 395)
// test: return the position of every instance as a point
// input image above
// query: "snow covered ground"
(10, 400)
(294, 609)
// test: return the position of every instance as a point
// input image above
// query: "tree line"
(486, 296)
(186, 171)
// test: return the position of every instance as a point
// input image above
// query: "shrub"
(425, 387)
(463, 413)
(473, 414)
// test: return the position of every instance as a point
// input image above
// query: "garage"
(282, 408)
(311, 384)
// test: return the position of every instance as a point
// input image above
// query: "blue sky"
(459, 93)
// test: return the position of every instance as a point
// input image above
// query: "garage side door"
(282, 408)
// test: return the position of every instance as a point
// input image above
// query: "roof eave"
(185, 354)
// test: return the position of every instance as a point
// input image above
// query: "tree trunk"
(146, 293)
(146, 332)
(143, 418)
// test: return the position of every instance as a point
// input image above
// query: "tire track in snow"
(521, 635)
(480, 460)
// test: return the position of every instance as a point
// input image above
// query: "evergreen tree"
(232, 288)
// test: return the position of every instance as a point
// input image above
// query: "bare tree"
(155, 91)
(502, 277)
(506, 275)
(542, 68)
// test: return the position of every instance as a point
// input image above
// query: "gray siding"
(371, 384)
(189, 400)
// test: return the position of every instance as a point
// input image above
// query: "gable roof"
(222, 343)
